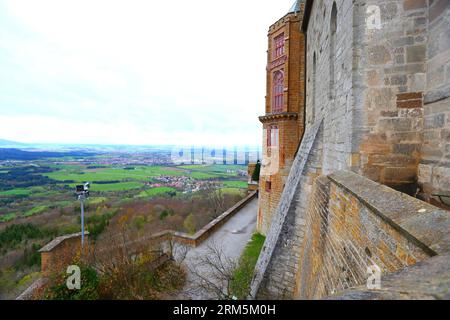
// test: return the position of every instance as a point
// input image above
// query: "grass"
(112, 174)
(236, 184)
(243, 275)
(202, 175)
(235, 191)
(15, 192)
(35, 210)
(97, 200)
(219, 168)
(155, 192)
(7, 217)
(121, 186)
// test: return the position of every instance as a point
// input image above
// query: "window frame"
(278, 92)
(268, 186)
(273, 140)
(279, 46)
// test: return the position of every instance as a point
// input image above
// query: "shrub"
(190, 224)
(139, 222)
(89, 286)
(31, 257)
(256, 173)
(166, 213)
(13, 235)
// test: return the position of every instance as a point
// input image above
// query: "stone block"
(409, 96)
(414, 4)
(410, 104)
(400, 175)
(379, 55)
(435, 121)
(441, 178)
(415, 53)
(407, 148)
(425, 172)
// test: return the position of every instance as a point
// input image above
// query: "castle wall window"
(268, 186)
(314, 84)
(279, 46)
(273, 136)
(333, 28)
(278, 92)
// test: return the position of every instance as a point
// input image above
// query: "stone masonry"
(377, 85)
(287, 120)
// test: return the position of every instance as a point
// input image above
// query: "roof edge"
(307, 14)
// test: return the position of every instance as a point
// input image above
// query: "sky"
(134, 72)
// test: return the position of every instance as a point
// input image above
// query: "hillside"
(17, 154)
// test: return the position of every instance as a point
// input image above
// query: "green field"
(155, 192)
(236, 184)
(121, 186)
(15, 192)
(97, 200)
(7, 217)
(35, 210)
(204, 172)
(234, 191)
(200, 172)
(111, 174)
(113, 180)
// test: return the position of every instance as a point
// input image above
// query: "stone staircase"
(284, 207)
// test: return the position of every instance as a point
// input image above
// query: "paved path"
(232, 237)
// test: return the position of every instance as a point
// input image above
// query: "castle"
(356, 147)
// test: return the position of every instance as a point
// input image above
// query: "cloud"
(134, 72)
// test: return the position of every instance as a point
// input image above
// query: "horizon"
(33, 144)
(107, 83)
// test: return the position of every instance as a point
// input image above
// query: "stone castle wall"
(354, 223)
(434, 175)
(389, 86)
(334, 108)
(369, 86)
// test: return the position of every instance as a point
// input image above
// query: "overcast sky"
(135, 71)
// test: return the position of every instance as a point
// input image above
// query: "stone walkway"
(232, 237)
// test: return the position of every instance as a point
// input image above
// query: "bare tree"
(213, 274)
(213, 193)
(176, 251)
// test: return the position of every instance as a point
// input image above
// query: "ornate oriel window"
(278, 46)
(278, 92)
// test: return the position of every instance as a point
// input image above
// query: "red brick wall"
(290, 127)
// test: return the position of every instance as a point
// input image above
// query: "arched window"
(314, 88)
(278, 92)
(333, 27)
(279, 46)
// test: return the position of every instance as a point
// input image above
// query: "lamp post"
(82, 193)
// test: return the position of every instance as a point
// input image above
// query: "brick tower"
(283, 123)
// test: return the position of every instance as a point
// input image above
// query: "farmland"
(37, 202)
(109, 182)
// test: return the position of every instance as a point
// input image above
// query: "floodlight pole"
(81, 198)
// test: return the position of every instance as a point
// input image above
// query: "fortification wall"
(332, 103)
(368, 77)
(434, 172)
(354, 223)
(390, 83)
(351, 223)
